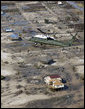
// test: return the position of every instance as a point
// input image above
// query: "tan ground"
(23, 86)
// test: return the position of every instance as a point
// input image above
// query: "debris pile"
(54, 81)
(14, 37)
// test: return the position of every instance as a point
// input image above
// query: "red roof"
(54, 76)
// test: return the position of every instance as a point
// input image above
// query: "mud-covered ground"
(25, 64)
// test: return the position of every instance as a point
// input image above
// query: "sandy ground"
(21, 63)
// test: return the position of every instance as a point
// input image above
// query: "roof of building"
(54, 76)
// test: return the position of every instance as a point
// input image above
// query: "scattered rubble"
(80, 70)
(46, 59)
(14, 37)
(39, 65)
(24, 64)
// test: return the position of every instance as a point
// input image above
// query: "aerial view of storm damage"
(42, 54)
